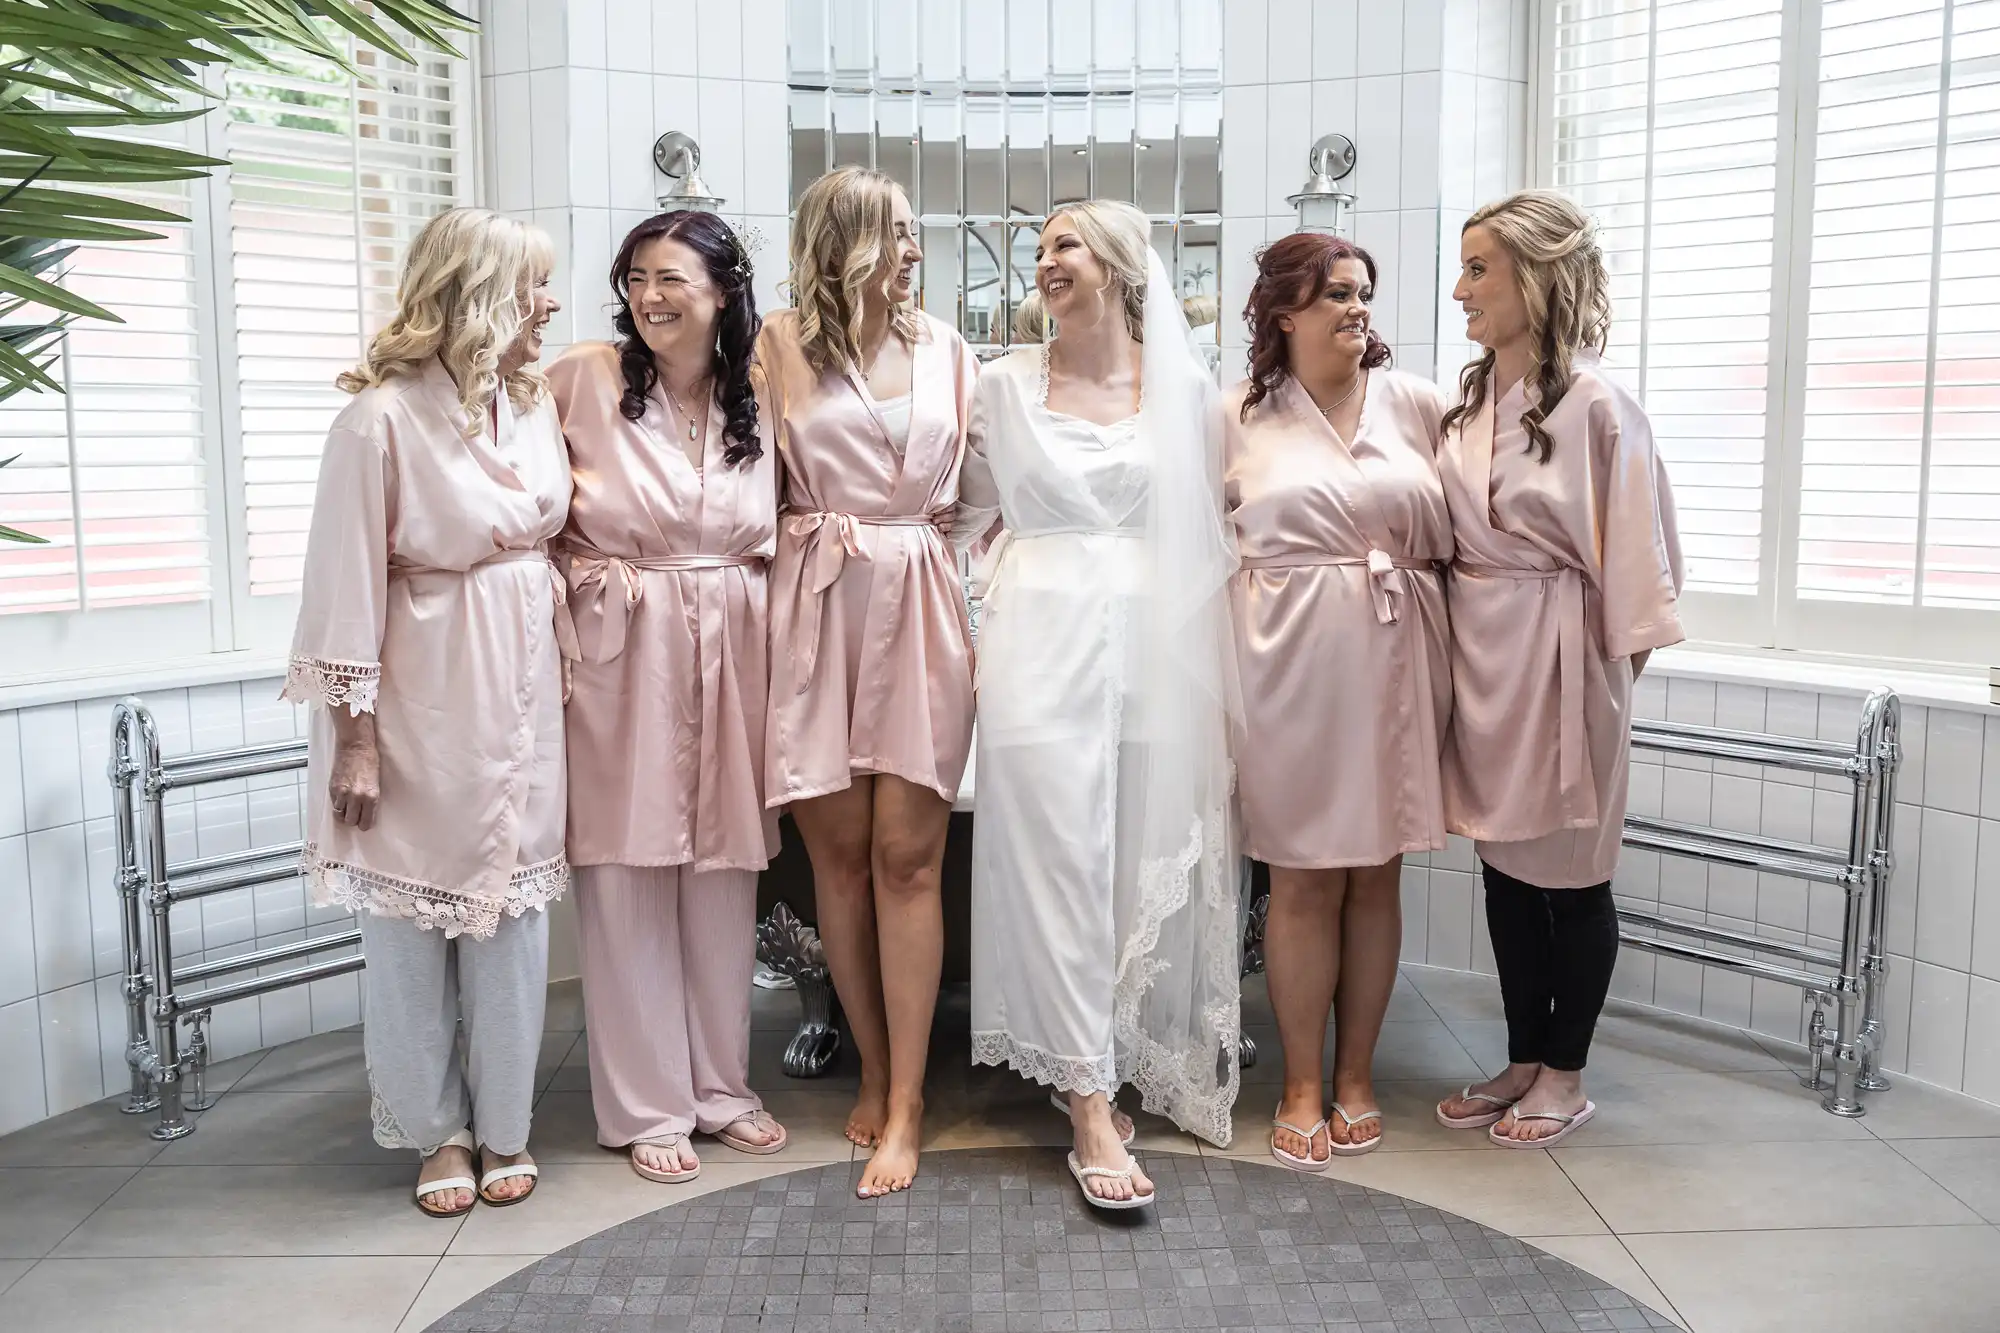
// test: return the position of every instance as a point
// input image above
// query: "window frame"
(1775, 618)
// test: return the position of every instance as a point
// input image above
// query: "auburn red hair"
(1292, 273)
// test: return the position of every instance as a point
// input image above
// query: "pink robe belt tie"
(564, 628)
(594, 569)
(1384, 573)
(821, 562)
(1578, 796)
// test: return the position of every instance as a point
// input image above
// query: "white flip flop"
(1084, 1173)
(500, 1173)
(1061, 1103)
(1354, 1149)
(462, 1139)
(1570, 1124)
(1310, 1165)
(1479, 1120)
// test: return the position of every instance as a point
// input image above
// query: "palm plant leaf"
(8, 534)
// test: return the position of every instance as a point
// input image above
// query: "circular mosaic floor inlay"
(1001, 1240)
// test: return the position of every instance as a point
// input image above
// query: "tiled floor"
(1710, 1186)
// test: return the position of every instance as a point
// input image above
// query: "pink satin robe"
(428, 599)
(1342, 638)
(667, 588)
(1564, 570)
(871, 655)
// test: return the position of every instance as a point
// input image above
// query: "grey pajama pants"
(428, 1079)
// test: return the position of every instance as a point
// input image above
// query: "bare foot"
(672, 1159)
(870, 1115)
(1097, 1145)
(1299, 1107)
(1356, 1096)
(894, 1164)
(443, 1164)
(1511, 1083)
(513, 1187)
(1555, 1092)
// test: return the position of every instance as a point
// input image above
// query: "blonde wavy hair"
(1563, 282)
(465, 291)
(1118, 237)
(844, 244)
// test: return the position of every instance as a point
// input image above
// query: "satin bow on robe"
(1385, 574)
(594, 569)
(821, 562)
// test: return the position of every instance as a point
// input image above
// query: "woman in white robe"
(1104, 875)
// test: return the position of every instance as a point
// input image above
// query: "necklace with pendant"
(685, 415)
(1331, 408)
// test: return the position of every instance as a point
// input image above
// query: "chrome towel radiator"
(166, 1077)
(1848, 982)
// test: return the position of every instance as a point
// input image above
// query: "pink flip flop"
(1480, 1119)
(1310, 1165)
(757, 1119)
(1570, 1124)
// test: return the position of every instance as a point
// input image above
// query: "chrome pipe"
(1797, 753)
(222, 967)
(166, 1058)
(1746, 850)
(1798, 953)
(1882, 735)
(197, 769)
(131, 725)
(243, 990)
(182, 892)
(1791, 976)
(208, 865)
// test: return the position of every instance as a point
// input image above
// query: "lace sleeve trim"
(319, 680)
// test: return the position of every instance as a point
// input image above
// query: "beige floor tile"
(328, 1062)
(1606, 1257)
(1896, 1279)
(565, 1008)
(261, 1211)
(1457, 996)
(11, 1271)
(1750, 1186)
(565, 1130)
(41, 1205)
(575, 1200)
(285, 1128)
(1636, 1045)
(95, 1135)
(556, 1047)
(456, 1280)
(222, 1295)
(1912, 1110)
(814, 1123)
(1752, 1107)
(1520, 1193)
(1969, 1168)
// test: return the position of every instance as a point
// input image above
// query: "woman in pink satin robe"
(671, 524)
(428, 638)
(871, 656)
(1566, 578)
(1343, 645)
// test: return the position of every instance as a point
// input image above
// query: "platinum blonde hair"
(1560, 272)
(1119, 237)
(844, 243)
(464, 294)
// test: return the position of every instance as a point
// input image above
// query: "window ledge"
(1913, 683)
(209, 669)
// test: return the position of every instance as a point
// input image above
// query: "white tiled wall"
(574, 92)
(1943, 1009)
(62, 1017)
(1434, 95)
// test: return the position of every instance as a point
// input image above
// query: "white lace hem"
(1062, 1072)
(319, 680)
(455, 912)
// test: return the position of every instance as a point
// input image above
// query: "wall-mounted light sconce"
(678, 156)
(1322, 204)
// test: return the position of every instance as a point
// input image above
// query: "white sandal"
(426, 1188)
(1309, 1164)
(1084, 1173)
(500, 1173)
(674, 1142)
(1353, 1149)
(1061, 1103)
(1570, 1124)
(1478, 1120)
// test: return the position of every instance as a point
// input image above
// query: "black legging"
(1555, 949)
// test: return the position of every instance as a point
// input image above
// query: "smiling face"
(538, 304)
(898, 271)
(1334, 327)
(1072, 281)
(675, 304)
(1489, 290)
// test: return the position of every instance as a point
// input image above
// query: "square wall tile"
(1986, 902)
(1906, 864)
(59, 883)
(1938, 1002)
(549, 131)
(1379, 44)
(111, 1035)
(1245, 164)
(1423, 35)
(629, 135)
(1448, 933)
(590, 259)
(764, 25)
(17, 923)
(13, 811)
(1495, 42)
(1632, 977)
(72, 1069)
(1333, 108)
(1895, 1051)
(503, 36)
(675, 47)
(585, 21)
(628, 35)
(107, 906)
(1982, 1040)
(548, 36)
(1416, 272)
(1911, 730)
(1336, 35)
(1245, 44)
(1945, 897)
(590, 138)
(1989, 772)
(1288, 141)
(1954, 746)
(1459, 52)
(766, 135)
(718, 45)
(1416, 913)
(721, 132)
(1378, 167)
(23, 1100)
(1489, 173)
(1289, 25)
(1418, 185)
(1457, 176)
(51, 768)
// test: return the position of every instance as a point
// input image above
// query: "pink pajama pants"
(667, 959)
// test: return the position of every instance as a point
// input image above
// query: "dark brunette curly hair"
(1292, 273)
(728, 265)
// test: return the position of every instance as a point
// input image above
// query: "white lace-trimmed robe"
(428, 599)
